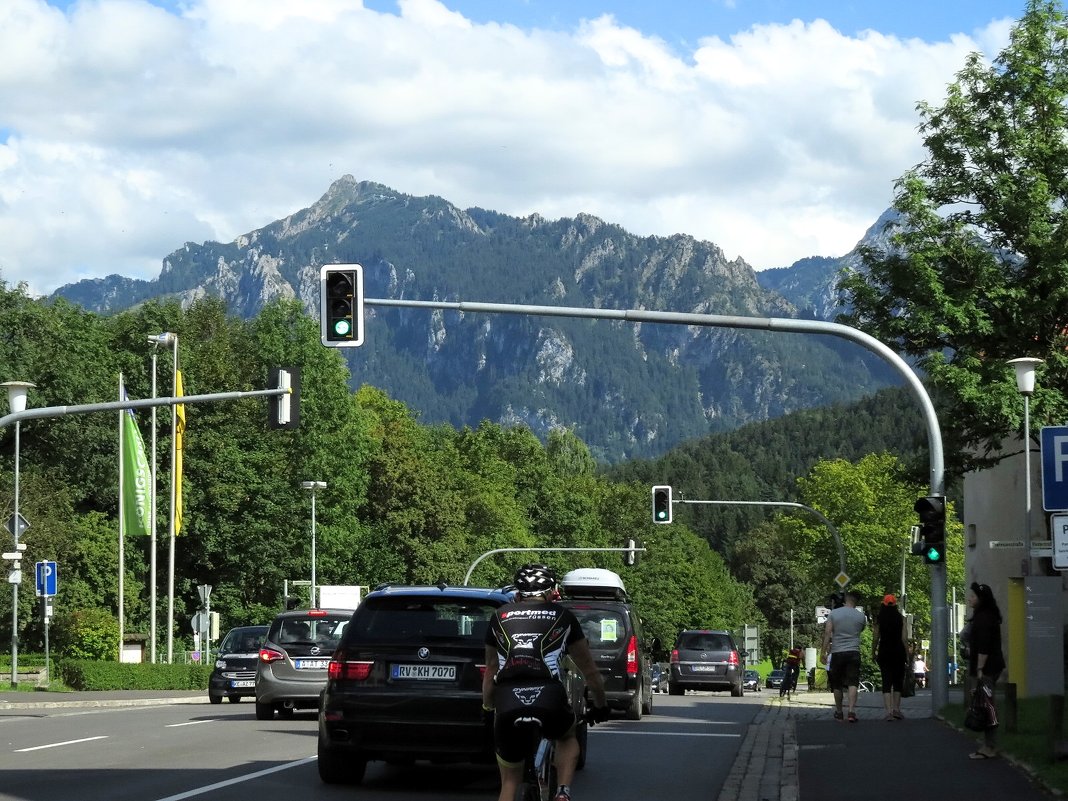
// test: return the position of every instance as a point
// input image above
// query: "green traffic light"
(661, 514)
(342, 327)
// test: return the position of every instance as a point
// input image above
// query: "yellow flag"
(179, 436)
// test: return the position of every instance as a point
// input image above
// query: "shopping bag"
(908, 686)
(981, 714)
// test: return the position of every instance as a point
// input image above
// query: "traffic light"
(662, 504)
(283, 411)
(932, 512)
(341, 305)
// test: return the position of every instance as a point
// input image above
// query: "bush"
(84, 674)
(86, 634)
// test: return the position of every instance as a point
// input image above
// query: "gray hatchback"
(705, 659)
(291, 672)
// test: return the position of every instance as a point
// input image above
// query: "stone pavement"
(768, 765)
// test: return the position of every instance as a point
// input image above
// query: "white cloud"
(131, 130)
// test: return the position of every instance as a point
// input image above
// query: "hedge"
(85, 674)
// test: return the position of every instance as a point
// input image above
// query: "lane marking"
(65, 742)
(238, 780)
(190, 723)
(666, 733)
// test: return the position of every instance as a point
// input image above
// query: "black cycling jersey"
(531, 638)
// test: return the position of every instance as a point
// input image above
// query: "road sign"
(1058, 526)
(1055, 468)
(16, 555)
(16, 524)
(841, 580)
(47, 576)
(1006, 543)
(14, 577)
(1042, 548)
(204, 590)
(821, 614)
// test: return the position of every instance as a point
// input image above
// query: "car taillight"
(270, 655)
(674, 654)
(732, 660)
(348, 671)
(481, 671)
(632, 656)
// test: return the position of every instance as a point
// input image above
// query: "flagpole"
(152, 502)
(170, 555)
(122, 524)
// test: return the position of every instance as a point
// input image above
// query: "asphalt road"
(185, 751)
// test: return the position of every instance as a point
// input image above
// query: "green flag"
(136, 477)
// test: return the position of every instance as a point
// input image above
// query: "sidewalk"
(795, 751)
(51, 700)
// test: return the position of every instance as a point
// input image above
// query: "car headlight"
(220, 664)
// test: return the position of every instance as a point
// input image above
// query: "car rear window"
(704, 641)
(404, 619)
(604, 628)
(322, 630)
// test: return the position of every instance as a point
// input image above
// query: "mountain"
(628, 390)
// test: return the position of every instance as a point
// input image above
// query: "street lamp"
(16, 401)
(156, 340)
(312, 487)
(1025, 384)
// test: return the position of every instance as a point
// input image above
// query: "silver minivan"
(291, 671)
(705, 659)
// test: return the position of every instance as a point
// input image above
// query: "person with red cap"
(891, 653)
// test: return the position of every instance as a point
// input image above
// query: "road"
(217, 753)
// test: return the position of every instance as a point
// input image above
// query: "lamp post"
(312, 487)
(16, 401)
(156, 340)
(1025, 384)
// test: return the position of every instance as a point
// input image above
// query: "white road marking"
(238, 780)
(664, 733)
(189, 723)
(65, 742)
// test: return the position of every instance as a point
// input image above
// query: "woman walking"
(986, 660)
(889, 644)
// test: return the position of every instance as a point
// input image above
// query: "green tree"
(974, 276)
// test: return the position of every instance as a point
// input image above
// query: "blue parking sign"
(46, 579)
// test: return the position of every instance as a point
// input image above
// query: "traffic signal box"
(662, 504)
(341, 305)
(931, 543)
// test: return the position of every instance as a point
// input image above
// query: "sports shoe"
(562, 795)
(837, 714)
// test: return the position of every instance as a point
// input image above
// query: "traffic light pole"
(939, 612)
(474, 564)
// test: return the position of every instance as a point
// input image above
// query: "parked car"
(775, 679)
(705, 659)
(234, 676)
(613, 629)
(291, 671)
(406, 682)
(751, 681)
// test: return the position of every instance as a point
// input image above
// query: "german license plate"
(703, 668)
(311, 664)
(239, 683)
(426, 672)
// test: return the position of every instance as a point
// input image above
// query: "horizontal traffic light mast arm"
(62, 411)
(474, 564)
(934, 434)
(791, 505)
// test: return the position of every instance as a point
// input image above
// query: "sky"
(773, 129)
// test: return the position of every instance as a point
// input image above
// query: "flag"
(136, 476)
(179, 436)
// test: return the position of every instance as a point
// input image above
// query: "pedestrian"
(889, 647)
(791, 670)
(919, 670)
(986, 659)
(841, 640)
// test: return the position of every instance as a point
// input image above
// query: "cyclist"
(793, 669)
(526, 641)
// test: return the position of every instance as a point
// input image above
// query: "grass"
(1031, 742)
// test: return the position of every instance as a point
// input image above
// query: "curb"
(114, 702)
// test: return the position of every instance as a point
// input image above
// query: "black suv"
(705, 659)
(406, 682)
(234, 676)
(600, 602)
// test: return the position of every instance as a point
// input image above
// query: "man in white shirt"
(841, 639)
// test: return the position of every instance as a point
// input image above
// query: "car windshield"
(245, 640)
(402, 619)
(704, 641)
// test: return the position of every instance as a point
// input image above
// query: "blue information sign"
(46, 578)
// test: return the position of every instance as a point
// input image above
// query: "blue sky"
(772, 129)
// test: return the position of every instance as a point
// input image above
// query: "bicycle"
(789, 682)
(539, 772)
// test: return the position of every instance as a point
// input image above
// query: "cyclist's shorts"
(545, 701)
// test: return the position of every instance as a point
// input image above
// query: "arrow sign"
(16, 555)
